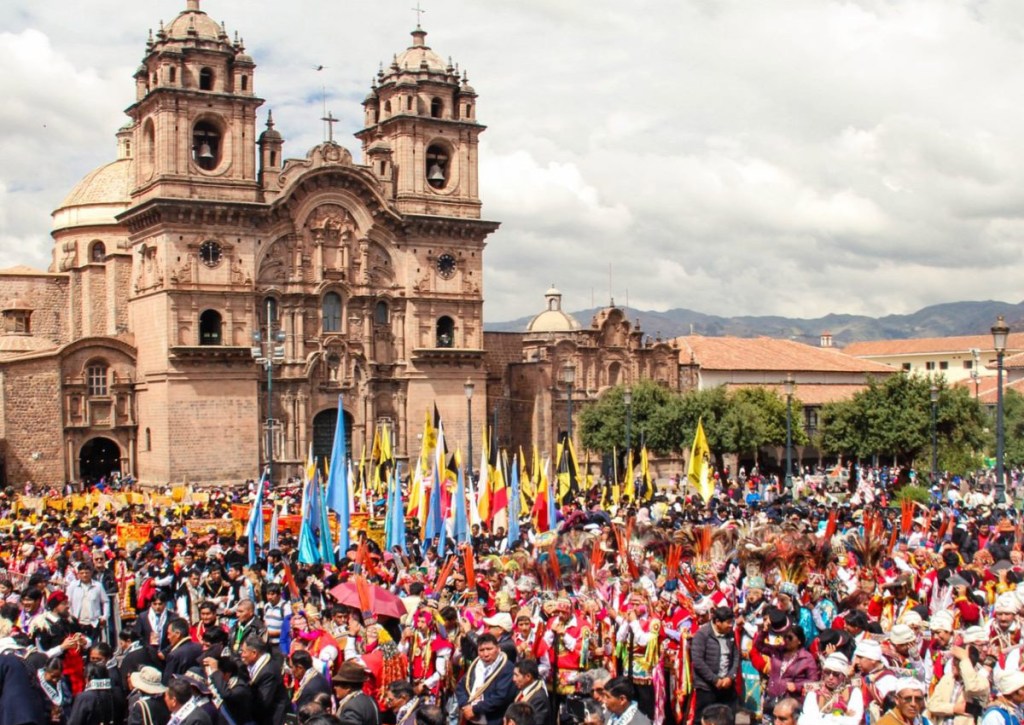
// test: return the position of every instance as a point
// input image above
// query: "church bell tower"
(195, 112)
(421, 133)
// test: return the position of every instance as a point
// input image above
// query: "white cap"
(502, 620)
(912, 619)
(837, 662)
(869, 649)
(1010, 682)
(941, 622)
(1007, 603)
(909, 683)
(975, 635)
(901, 634)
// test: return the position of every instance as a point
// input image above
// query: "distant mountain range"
(944, 320)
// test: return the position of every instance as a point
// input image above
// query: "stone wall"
(32, 412)
(46, 294)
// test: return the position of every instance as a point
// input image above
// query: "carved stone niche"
(330, 224)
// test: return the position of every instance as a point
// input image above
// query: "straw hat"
(147, 680)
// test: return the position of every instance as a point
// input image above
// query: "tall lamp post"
(268, 350)
(468, 387)
(569, 378)
(935, 440)
(789, 386)
(1000, 333)
(627, 398)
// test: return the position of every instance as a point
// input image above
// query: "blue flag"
(337, 485)
(434, 522)
(324, 544)
(395, 522)
(461, 524)
(513, 504)
(254, 530)
(312, 522)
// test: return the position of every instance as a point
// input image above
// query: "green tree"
(892, 419)
(603, 424)
(1013, 429)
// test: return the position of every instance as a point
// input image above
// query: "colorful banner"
(201, 527)
(132, 536)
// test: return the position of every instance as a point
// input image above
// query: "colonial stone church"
(209, 301)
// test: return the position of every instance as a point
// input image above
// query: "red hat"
(58, 597)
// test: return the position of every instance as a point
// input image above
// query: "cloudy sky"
(792, 157)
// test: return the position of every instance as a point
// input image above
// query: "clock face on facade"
(210, 253)
(446, 265)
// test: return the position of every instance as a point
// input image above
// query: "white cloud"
(790, 157)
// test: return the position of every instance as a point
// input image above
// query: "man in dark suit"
(354, 706)
(308, 681)
(487, 687)
(270, 699)
(183, 653)
(151, 627)
(401, 700)
(134, 657)
(179, 701)
(526, 678)
(248, 625)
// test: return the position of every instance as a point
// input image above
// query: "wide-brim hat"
(195, 678)
(350, 673)
(147, 680)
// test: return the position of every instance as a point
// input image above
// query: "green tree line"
(890, 420)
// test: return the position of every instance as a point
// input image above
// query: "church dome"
(419, 56)
(193, 22)
(553, 319)
(98, 198)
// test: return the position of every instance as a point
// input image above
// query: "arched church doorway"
(99, 457)
(324, 424)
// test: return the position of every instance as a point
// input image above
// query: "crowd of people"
(670, 611)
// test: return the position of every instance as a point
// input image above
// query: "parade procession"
(527, 594)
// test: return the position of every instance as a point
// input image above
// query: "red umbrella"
(382, 603)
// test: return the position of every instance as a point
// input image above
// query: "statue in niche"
(332, 367)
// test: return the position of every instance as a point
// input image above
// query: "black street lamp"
(1000, 333)
(935, 440)
(789, 385)
(627, 398)
(268, 350)
(569, 377)
(468, 387)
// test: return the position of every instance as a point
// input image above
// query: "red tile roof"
(986, 389)
(926, 345)
(766, 353)
(812, 394)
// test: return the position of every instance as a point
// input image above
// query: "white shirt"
(813, 716)
(89, 603)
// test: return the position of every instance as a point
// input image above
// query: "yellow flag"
(699, 468)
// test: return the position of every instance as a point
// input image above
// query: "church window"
(148, 155)
(437, 166)
(613, 374)
(245, 83)
(408, 103)
(445, 332)
(436, 108)
(209, 328)
(387, 108)
(381, 313)
(149, 440)
(469, 110)
(96, 379)
(98, 252)
(332, 312)
(206, 79)
(172, 74)
(206, 145)
(273, 158)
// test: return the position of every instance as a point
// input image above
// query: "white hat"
(147, 680)
(941, 622)
(911, 683)
(869, 649)
(975, 635)
(1009, 682)
(901, 634)
(502, 620)
(912, 619)
(1007, 603)
(837, 662)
